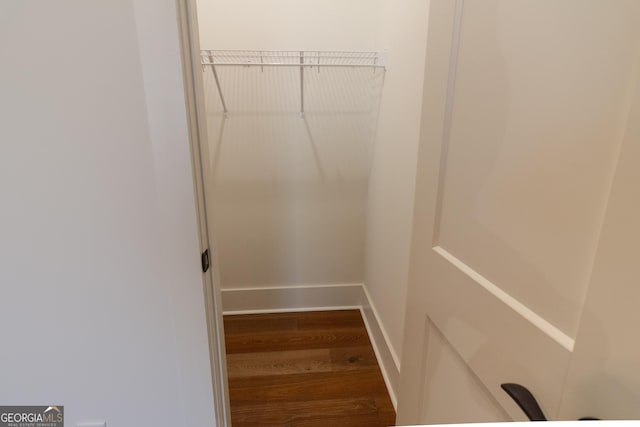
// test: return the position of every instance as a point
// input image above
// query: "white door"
(524, 263)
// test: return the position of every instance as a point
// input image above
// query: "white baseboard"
(387, 358)
(291, 298)
(317, 298)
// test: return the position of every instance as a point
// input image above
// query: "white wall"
(102, 307)
(288, 24)
(600, 381)
(392, 181)
(279, 187)
(289, 193)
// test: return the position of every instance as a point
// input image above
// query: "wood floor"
(304, 369)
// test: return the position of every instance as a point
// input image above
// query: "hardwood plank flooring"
(304, 369)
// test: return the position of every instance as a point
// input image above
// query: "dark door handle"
(525, 400)
(204, 259)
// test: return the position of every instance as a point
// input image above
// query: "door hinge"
(204, 258)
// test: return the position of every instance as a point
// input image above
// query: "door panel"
(540, 99)
(446, 375)
(496, 336)
(517, 161)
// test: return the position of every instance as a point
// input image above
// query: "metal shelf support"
(215, 76)
(302, 83)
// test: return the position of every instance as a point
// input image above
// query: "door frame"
(196, 122)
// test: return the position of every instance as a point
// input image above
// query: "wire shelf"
(210, 59)
(288, 58)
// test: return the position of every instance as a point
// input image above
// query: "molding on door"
(448, 114)
(554, 333)
(348, 296)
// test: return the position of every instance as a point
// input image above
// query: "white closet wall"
(289, 192)
(329, 199)
(288, 24)
(403, 32)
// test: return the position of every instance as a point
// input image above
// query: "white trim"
(550, 330)
(292, 298)
(383, 331)
(268, 287)
(386, 356)
(323, 297)
(194, 101)
(292, 310)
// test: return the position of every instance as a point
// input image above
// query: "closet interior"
(313, 118)
(291, 136)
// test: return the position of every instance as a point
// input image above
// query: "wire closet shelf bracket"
(301, 59)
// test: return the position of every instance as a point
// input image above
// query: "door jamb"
(196, 121)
